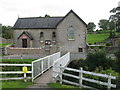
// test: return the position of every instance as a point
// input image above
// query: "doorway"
(24, 43)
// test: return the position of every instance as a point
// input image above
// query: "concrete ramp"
(43, 80)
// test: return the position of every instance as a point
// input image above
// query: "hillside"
(92, 38)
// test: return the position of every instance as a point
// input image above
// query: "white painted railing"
(81, 78)
(16, 72)
(41, 65)
(64, 61)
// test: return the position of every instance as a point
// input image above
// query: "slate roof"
(42, 22)
(37, 23)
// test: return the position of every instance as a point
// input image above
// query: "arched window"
(41, 34)
(53, 34)
(41, 37)
(71, 33)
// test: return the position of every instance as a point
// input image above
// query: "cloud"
(88, 10)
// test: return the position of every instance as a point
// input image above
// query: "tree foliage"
(47, 15)
(116, 17)
(98, 59)
(103, 24)
(7, 32)
(117, 54)
(91, 26)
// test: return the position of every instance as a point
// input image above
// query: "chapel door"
(24, 43)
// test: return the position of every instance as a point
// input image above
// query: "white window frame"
(68, 35)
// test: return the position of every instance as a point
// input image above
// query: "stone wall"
(80, 34)
(35, 33)
(29, 51)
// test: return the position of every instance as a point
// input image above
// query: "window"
(54, 36)
(41, 37)
(80, 49)
(71, 33)
(41, 34)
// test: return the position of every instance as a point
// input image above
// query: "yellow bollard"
(24, 69)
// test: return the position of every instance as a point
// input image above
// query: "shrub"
(98, 59)
(117, 54)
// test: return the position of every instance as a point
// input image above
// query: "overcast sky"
(88, 10)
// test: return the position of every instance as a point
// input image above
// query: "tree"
(47, 15)
(91, 26)
(103, 24)
(116, 18)
(7, 32)
(111, 25)
(117, 54)
(111, 28)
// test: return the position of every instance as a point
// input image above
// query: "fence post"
(48, 62)
(25, 77)
(42, 65)
(109, 82)
(80, 77)
(32, 72)
(60, 74)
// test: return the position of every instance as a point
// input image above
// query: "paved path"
(43, 80)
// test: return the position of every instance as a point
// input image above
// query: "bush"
(108, 72)
(98, 59)
(117, 54)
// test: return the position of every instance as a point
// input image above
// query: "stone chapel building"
(67, 34)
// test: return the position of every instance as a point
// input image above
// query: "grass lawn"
(92, 38)
(58, 85)
(4, 44)
(20, 61)
(15, 84)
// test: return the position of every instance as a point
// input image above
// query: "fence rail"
(81, 78)
(16, 72)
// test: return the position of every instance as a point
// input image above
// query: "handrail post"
(109, 82)
(60, 74)
(48, 62)
(42, 66)
(32, 72)
(80, 77)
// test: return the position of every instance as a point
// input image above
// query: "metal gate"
(41, 65)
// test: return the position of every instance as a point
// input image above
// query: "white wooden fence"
(81, 78)
(38, 67)
(16, 72)
(64, 61)
(41, 65)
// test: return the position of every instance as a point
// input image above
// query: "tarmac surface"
(43, 80)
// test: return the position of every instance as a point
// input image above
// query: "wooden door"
(24, 43)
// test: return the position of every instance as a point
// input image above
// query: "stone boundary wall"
(3, 40)
(29, 51)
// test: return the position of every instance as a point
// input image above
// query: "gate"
(41, 65)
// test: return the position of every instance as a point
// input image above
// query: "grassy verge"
(58, 85)
(5, 44)
(15, 84)
(92, 38)
(21, 61)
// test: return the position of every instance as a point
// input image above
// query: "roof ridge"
(41, 17)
